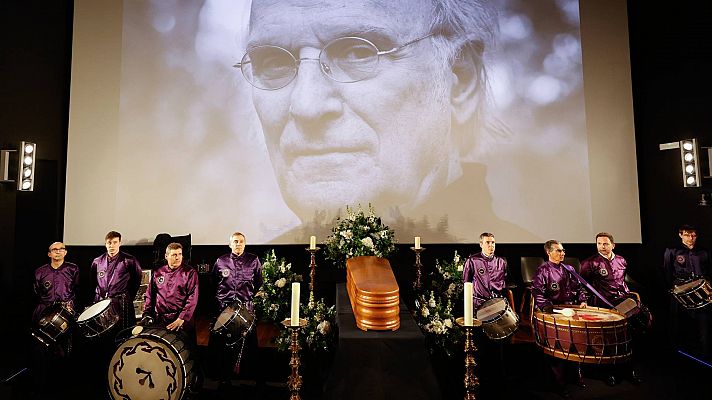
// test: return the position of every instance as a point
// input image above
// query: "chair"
(529, 267)
(162, 241)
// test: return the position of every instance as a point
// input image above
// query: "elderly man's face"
(384, 140)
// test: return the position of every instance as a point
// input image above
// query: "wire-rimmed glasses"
(348, 59)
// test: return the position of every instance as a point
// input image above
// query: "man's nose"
(314, 96)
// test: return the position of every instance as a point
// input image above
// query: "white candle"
(417, 242)
(295, 304)
(312, 243)
(468, 303)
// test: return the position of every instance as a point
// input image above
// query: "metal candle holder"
(295, 380)
(471, 382)
(418, 267)
(312, 274)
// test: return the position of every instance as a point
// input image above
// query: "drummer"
(488, 273)
(684, 262)
(172, 296)
(55, 283)
(237, 276)
(118, 276)
(606, 272)
(554, 284)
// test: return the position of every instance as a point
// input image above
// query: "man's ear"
(467, 90)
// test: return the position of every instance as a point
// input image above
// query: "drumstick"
(567, 312)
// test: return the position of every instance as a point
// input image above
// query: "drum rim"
(232, 317)
(700, 283)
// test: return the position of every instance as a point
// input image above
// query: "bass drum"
(153, 364)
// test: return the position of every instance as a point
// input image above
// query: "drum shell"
(100, 322)
(167, 346)
(698, 295)
(504, 324)
(596, 342)
(55, 323)
(234, 322)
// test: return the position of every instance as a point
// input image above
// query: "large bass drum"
(592, 335)
(153, 364)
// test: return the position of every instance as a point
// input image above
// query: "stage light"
(25, 166)
(689, 152)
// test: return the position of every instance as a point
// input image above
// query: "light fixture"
(689, 152)
(25, 166)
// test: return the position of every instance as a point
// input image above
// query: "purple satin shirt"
(237, 277)
(606, 276)
(120, 275)
(553, 284)
(681, 263)
(55, 285)
(487, 275)
(172, 294)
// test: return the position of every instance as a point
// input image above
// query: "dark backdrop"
(671, 85)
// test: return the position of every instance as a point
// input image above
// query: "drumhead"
(225, 316)
(687, 286)
(148, 367)
(491, 309)
(94, 310)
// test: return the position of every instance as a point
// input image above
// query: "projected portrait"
(375, 109)
(449, 117)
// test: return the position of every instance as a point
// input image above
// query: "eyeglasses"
(347, 60)
(58, 250)
(560, 250)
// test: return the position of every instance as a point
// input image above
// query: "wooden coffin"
(373, 293)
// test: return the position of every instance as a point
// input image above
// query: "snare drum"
(97, 319)
(498, 319)
(693, 294)
(153, 364)
(592, 335)
(234, 322)
(55, 322)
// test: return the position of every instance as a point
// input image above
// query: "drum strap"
(587, 285)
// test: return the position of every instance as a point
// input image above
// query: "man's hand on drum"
(583, 305)
(175, 325)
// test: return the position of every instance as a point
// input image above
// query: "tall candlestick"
(468, 303)
(295, 304)
(417, 242)
(312, 243)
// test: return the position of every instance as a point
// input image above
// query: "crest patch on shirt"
(225, 273)
(603, 272)
(47, 284)
(680, 259)
(554, 286)
(101, 274)
(160, 280)
(481, 271)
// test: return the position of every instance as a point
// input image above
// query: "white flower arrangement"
(359, 234)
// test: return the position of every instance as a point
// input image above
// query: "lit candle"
(312, 243)
(417, 242)
(295, 304)
(468, 303)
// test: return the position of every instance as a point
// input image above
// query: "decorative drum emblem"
(101, 274)
(481, 271)
(554, 286)
(47, 284)
(680, 259)
(225, 273)
(160, 280)
(603, 272)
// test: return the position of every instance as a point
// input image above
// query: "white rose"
(425, 312)
(460, 268)
(281, 282)
(448, 322)
(324, 327)
(367, 242)
(431, 303)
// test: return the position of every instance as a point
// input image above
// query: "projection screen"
(510, 116)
